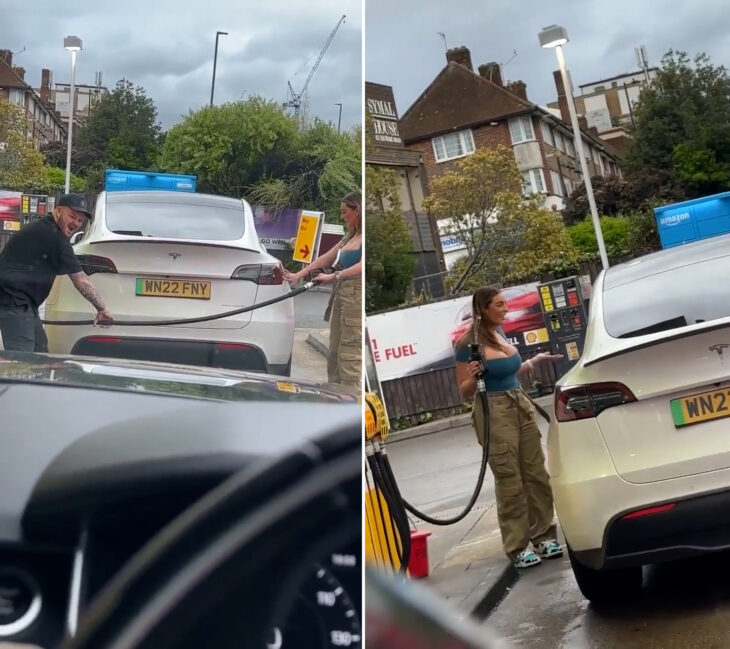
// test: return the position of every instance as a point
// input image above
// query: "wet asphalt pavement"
(683, 605)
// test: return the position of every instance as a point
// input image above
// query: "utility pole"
(339, 119)
(215, 60)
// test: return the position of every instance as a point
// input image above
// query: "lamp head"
(552, 36)
(72, 43)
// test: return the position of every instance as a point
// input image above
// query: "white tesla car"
(639, 449)
(165, 255)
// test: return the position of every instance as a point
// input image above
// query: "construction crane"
(295, 100)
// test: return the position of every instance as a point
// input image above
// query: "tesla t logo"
(174, 255)
(719, 349)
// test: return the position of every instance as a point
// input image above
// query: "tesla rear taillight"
(639, 513)
(103, 339)
(91, 264)
(262, 274)
(586, 401)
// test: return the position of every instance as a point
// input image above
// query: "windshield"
(668, 300)
(175, 220)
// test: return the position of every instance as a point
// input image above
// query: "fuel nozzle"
(476, 356)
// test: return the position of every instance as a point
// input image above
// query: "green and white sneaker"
(549, 549)
(526, 559)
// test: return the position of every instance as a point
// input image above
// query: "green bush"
(616, 236)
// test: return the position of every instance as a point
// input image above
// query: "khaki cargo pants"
(521, 484)
(344, 363)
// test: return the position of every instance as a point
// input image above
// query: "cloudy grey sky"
(602, 33)
(167, 46)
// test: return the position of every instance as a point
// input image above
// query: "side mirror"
(76, 237)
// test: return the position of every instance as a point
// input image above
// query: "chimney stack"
(492, 72)
(7, 57)
(45, 85)
(460, 55)
(518, 88)
(20, 72)
(562, 97)
(582, 123)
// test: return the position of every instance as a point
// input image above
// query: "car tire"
(606, 586)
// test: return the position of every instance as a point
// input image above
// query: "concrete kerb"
(430, 427)
(496, 592)
(320, 342)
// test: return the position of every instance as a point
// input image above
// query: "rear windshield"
(175, 220)
(672, 299)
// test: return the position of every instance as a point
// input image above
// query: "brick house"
(463, 110)
(385, 150)
(44, 124)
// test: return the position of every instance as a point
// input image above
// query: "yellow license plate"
(156, 287)
(704, 406)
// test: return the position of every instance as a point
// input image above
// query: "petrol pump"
(565, 319)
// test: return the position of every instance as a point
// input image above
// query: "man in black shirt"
(30, 263)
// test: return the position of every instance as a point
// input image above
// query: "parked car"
(161, 255)
(639, 458)
(222, 507)
(525, 314)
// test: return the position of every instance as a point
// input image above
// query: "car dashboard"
(87, 484)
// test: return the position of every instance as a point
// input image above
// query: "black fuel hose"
(184, 321)
(400, 517)
(480, 479)
(395, 510)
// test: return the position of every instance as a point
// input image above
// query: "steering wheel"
(227, 571)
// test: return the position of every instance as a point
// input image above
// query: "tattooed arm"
(84, 286)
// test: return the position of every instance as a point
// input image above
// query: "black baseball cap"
(75, 202)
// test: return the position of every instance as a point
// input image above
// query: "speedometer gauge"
(322, 616)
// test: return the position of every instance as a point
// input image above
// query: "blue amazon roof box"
(692, 220)
(118, 180)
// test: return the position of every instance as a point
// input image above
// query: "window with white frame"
(559, 141)
(453, 145)
(557, 186)
(570, 147)
(547, 134)
(594, 154)
(521, 129)
(17, 97)
(568, 185)
(534, 181)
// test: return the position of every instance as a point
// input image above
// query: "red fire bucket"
(418, 564)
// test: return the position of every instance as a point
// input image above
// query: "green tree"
(388, 251)
(123, 127)
(21, 166)
(252, 148)
(629, 195)
(682, 124)
(231, 147)
(507, 237)
(55, 181)
(327, 166)
(84, 157)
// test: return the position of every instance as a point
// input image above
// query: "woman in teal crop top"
(521, 484)
(344, 311)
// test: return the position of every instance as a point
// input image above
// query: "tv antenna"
(442, 35)
(501, 65)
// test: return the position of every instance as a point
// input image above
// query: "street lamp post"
(555, 36)
(73, 45)
(215, 61)
(339, 119)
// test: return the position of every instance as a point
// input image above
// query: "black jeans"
(21, 329)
